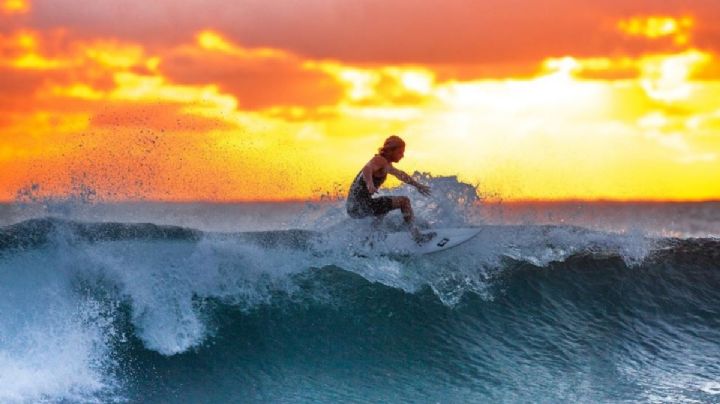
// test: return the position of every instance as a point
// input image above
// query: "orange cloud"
(380, 85)
(492, 32)
(21, 50)
(257, 78)
(17, 88)
(105, 115)
(658, 70)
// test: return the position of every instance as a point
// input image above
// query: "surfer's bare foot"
(421, 238)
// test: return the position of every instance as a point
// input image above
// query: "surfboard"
(401, 243)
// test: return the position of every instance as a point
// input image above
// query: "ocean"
(149, 302)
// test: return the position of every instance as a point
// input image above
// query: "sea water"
(266, 302)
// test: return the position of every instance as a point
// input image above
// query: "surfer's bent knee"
(401, 202)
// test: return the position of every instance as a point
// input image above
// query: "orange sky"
(251, 99)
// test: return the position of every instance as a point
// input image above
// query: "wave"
(556, 240)
(88, 307)
(39, 232)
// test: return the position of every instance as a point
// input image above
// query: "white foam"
(53, 343)
(166, 282)
(712, 388)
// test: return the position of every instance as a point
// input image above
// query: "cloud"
(258, 78)
(16, 87)
(391, 32)
(679, 29)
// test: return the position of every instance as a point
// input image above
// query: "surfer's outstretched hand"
(423, 189)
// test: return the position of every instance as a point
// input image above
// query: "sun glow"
(665, 78)
(659, 26)
(15, 6)
(360, 83)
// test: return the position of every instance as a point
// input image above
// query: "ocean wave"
(87, 305)
(558, 242)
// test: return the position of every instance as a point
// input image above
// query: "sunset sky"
(274, 100)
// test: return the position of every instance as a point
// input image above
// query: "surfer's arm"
(406, 178)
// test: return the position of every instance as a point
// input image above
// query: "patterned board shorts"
(370, 207)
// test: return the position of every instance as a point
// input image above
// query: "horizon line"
(494, 200)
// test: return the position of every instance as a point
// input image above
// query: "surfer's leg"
(403, 203)
(381, 205)
(360, 208)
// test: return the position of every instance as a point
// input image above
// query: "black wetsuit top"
(361, 204)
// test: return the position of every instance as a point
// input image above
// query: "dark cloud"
(14, 83)
(18, 89)
(256, 82)
(397, 31)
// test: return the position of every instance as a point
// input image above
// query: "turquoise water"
(159, 302)
(134, 312)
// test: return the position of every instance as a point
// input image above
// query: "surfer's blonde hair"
(391, 143)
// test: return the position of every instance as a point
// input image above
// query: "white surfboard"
(401, 243)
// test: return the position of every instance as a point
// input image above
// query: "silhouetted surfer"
(360, 202)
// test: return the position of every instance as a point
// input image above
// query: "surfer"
(360, 202)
